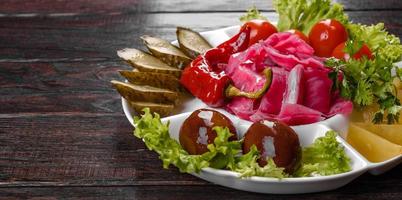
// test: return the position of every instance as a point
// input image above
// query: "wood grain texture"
(78, 149)
(28, 78)
(63, 134)
(59, 87)
(96, 38)
(67, 7)
(40, 7)
(69, 102)
(363, 188)
(238, 5)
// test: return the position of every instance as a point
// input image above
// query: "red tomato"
(260, 30)
(326, 35)
(340, 53)
(300, 35)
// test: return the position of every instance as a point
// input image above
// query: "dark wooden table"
(63, 133)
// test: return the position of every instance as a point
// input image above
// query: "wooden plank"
(67, 39)
(60, 7)
(60, 87)
(61, 102)
(362, 188)
(78, 149)
(238, 5)
(96, 38)
(37, 78)
(65, 7)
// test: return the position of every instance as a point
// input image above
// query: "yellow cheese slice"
(365, 115)
(392, 133)
(372, 146)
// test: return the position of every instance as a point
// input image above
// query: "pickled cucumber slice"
(372, 146)
(159, 80)
(146, 62)
(162, 109)
(166, 52)
(191, 42)
(145, 93)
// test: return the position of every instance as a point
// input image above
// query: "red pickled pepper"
(204, 79)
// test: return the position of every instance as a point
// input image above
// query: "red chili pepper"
(204, 78)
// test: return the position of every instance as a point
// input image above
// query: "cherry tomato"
(260, 30)
(299, 34)
(275, 140)
(196, 132)
(340, 53)
(326, 35)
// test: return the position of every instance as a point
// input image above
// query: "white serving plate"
(306, 133)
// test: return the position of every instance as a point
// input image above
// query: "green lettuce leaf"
(155, 135)
(303, 14)
(222, 153)
(252, 13)
(381, 43)
(247, 166)
(326, 156)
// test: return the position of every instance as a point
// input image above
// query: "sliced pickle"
(162, 109)
(146, 62)
(159, 80)
(166, 52)
(372, 146)
(390, 132)
(191, 42)
(145, 93)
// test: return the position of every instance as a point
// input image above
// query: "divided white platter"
(306, 133)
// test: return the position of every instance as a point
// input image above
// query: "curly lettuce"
(303, 14)
(155, 135)
(222, 154)
(252, 13)
(326, 156)
(384, 45)
(247, 166)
